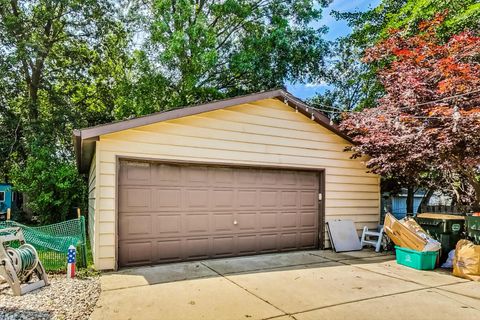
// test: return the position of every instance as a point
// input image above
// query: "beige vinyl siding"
(266, 132)
(92, 199)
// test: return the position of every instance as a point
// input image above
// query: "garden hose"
(24, 259)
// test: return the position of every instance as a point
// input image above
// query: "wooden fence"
(448, 209)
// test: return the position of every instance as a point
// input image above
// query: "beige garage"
(249, 175)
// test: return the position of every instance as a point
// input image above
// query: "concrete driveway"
(299, 285)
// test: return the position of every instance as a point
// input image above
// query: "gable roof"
(84, 139)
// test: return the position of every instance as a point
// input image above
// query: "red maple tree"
(426, 128)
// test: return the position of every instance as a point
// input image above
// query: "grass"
(53, 261)
(56, 262)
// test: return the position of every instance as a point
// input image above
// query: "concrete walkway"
(299, 285)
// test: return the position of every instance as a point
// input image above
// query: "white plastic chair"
(373, 238)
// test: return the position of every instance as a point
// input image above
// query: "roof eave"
(84, 150)
(84, 139)
(176, 113)
(319, 117)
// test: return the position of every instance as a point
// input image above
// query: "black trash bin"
(473, 229)
(445, 228)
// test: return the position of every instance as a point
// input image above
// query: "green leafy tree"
(460, 15)
(195, 51)
(68, 64)
(51, 184)
(60, 62)
(355, 85)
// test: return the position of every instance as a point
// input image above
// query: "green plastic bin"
(416, 259)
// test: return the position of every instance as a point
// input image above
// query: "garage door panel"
(288, 219)
(223, 177)
(288, 198)
(165, 175)
(268, 243)
(196, 199)
(268, 199)
(246, 221)
(246, 177)
(247, 244)
(222, 199)
(288, 241)
(168, 224)
(170, 212)
(135, 199)
(135, 173)
(197, 248)
(268, 220)
(268, 178)
(308, 219)
(135, 225)
(288, 178)
(246, 199)
(223, 246)
(139, 198)
(169, 250)
(309, 199)
(197, 223)
(223, 222)
(306, 179)
(307, 240)
(196, 175)
(135, 253)
(168, 199)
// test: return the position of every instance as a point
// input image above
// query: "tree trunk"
(410, 196)
(476, 187)
(426, 198)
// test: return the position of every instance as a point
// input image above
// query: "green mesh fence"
(52, 241)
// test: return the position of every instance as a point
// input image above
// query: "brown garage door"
(171, 212)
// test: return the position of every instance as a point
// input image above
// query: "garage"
(248, 175)
(175, 212)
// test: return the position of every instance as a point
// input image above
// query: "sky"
(336, 29)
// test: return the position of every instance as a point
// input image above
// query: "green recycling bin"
(445, 228)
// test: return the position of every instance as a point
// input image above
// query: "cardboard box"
(403, 235)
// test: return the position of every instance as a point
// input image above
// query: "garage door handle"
(235, 222)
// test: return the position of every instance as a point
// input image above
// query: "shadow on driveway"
(171, 272)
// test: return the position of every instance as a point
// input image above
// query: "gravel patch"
(63, 299)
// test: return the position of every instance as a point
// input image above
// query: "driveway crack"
(457, 300)
(248, 291)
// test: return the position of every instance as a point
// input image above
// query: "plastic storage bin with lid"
(420, 260)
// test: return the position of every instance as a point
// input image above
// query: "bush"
(51, 185)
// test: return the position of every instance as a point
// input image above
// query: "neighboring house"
(253, 174)
(6, 197)
(397, 203)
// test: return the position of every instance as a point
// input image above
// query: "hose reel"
(17, 265)
(24, 259)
